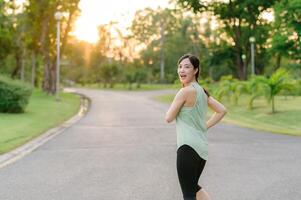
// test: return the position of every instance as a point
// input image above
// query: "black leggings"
(189, 167)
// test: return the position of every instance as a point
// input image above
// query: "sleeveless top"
(191, 124)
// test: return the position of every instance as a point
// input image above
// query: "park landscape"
(249, 51)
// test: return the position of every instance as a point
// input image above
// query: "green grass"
(286, 120)
(42, 113)
(125, 87)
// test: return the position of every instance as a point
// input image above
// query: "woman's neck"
(189, 83)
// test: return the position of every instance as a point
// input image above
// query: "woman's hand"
(220, 112)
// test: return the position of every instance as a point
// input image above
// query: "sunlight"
(85, 31)
(268, 15)
(95, 12)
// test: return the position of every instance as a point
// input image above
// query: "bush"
(14, 95)
(298, 87)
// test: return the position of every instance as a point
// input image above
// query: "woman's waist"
(191, 134)
(198, 125)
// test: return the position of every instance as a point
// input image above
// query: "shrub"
(278, 82)
(14, 95)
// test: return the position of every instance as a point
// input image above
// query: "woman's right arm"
(220, 112)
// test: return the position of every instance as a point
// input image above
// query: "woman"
(189, 108)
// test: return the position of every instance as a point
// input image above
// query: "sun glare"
(86, 32)
(268, 15)
(95, 12)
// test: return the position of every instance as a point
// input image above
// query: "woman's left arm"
(175, 106)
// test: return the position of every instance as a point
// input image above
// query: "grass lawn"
(42, 113)
(120, 86)
(286, 120)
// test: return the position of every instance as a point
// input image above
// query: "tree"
(229, 87)
(109, 74)
(43, 31)
(77, 61)
(253, 87)
(153, 25)
(287, 37)
(6, 27)
(103, 50)
(161, 50)
(240, 20)
(273, 85)
(135, 73)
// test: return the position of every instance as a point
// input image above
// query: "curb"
(20, 152)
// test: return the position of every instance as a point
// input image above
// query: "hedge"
(14, 95)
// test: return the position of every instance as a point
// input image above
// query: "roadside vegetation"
(42, 113)
(269, 104)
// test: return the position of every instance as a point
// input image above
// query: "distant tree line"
(216, 31)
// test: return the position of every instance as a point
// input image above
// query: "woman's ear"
(196, 71)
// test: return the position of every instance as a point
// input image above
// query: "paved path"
(124, 150)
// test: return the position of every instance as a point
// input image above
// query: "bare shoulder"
(189, 93)
(189, 90)
(182, 92)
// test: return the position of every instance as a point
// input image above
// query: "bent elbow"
(222, 111)
(225, 111)
(168, 119)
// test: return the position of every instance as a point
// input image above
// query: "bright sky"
(95, 12)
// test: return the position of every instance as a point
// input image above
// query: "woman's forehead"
(185, 61)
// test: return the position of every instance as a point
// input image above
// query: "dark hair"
(196, 65)
(194, 61)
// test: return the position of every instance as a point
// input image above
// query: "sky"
(95, 12)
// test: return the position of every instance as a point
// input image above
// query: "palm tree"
(278, 82)
(230, 87)
(224, 88)
(254, 88)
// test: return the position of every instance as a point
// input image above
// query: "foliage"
(273, 85)
(14, 95)
(229, 87)
(254, 89)
(286, 41)
(240, 20)
(41, 33)
(75, 63)
(135, 73)
(6, 27)
(42, 113)
(108, 74)
(167, 35)
(158, 37)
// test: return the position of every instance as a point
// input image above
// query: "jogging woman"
(189, 108)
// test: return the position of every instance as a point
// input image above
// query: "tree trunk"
(47, 80)
(162, 58)
(241, 71)
(22, 74)
(53, 78)
(273, 105)
(18, 64)
(278, 62)
(33, 69)
(46, 59)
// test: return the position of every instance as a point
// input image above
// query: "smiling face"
(186, 72)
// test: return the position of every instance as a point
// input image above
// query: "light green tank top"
(191, 124)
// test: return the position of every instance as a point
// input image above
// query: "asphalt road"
(123, 149)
